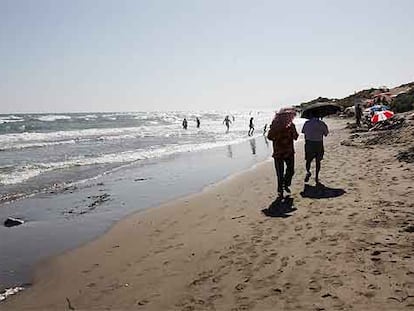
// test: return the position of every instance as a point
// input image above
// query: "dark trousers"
(358, 121)
(284, 178)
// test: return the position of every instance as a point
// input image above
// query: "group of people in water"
(283, 133)
(227, 123)
(185, 123)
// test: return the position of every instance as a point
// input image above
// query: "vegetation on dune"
(403, 102)
(344, 102)
(349, 101)
(314, 101)
(410, 85)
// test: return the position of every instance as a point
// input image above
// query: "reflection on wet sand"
(229, 152)
(253, 145)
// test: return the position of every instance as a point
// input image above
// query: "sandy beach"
(346, 246)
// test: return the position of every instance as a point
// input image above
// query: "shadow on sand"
(280, 208)
(321, 191)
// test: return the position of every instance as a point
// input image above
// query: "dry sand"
(216, 250)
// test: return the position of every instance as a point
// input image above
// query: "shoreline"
(74, 224)
(215, 249)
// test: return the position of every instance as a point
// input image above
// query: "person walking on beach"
(251, 127)
(314, 130)
(358, 114)
(227, 122)
(185, 123)
(198, 122)
(283, 133)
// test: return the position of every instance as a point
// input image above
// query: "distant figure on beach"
(358, 114)
(251, 127)
(227, 122)
(283, 133)
(234, 119)
(265, 129)
(198, 122)
(185, 123)
(314, 130)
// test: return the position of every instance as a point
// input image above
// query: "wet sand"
(82, 212)
(345, 246)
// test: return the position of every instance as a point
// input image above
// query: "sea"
(39, 152)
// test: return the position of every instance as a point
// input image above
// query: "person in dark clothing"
(185, 123)
(198, 122)
(358, 114)
(251, 127)
(227, 122)
(283, 133)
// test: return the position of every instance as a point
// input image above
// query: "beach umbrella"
(320, 110)
(379, 108)
(382, 116)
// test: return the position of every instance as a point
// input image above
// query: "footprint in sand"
(298, 228)
(314, 286)
(283, 263)
(300, 262)
(312, 240)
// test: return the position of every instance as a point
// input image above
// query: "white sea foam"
(53, 117)
(26, 172)
(162, 130)
(17, 140)
(18, 146)
(10, 119)
(88, 117)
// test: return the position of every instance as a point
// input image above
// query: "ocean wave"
(210, 128)
(88, 117)
(23, 173)
(21, 146)
(10, 119)
(26, 137)
(53, 117)
(161, 130)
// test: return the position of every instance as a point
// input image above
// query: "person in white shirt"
(314, 130)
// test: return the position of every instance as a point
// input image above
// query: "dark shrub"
(403, 102)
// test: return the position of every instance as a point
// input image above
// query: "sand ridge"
(216, 250)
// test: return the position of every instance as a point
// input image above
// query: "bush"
(403, 102)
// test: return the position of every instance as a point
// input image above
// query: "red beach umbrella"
(382, 116)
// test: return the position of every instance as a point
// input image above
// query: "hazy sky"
(84, 55)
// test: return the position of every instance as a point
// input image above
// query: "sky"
(101, 55)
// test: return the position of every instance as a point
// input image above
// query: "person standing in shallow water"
(314, 130)
(251, 127)
(227, 122)
(198, 122)
(185, 123)
(283, 133)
